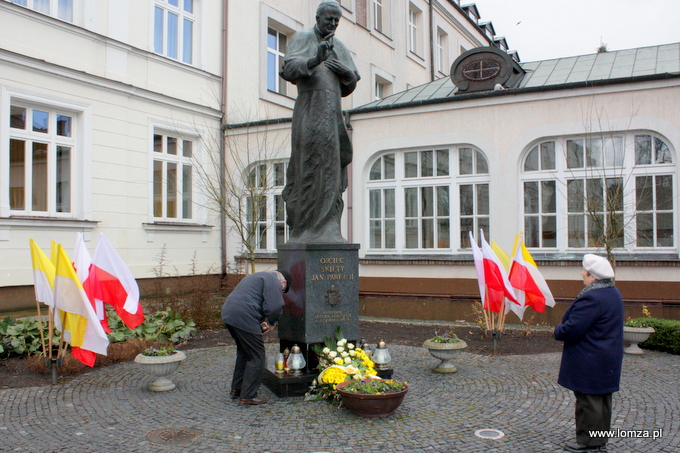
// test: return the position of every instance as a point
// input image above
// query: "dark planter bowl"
(371, 406)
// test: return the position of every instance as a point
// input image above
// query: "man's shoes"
(235, 394)
(251, 402)
(576, 447)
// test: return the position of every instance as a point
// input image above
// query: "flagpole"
(486, 314)
(40, 326)
(50, 331)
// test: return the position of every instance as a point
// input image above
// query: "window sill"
(43, 223)
(416, 58)
(176, 227)
(277, 98)
(545, 259)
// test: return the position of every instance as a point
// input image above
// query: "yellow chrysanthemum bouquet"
(339, 361)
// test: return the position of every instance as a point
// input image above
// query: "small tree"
(604, 190)
(236, 181)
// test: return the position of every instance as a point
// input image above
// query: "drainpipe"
(350, 205)
(223, 125)
(431, 42)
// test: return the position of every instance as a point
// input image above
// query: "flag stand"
(53, 364)
(496, 336)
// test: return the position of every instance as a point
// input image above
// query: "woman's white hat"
(597, 266)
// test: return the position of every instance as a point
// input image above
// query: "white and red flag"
(494, 285)
(110, 280)
(82, 262)
(80, 326)
(531, 288)
(517, 308)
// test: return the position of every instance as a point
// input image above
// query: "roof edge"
(517, 91)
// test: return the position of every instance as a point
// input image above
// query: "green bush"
(164, 325)
(22, 336)
(666, 336)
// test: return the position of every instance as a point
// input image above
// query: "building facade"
(112, 113)
(112, 116)
(105, 107)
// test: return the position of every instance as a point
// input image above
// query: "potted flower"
(160, 362)
(372, 397)
(339, 361)
(445, 348)
(637, 331)
(348, 377)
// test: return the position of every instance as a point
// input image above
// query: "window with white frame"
(473, 189)
(410, 200)
(276, 50)
(414, 17)
(382, 88)
(381, 16)
(441, 51)
(173, 177)
(607, 190)
(174, 28)
(61, 9)
(265, 209)
(347, 4)
(42, 152)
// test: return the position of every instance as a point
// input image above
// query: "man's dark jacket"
(592, 331)
(257, 297)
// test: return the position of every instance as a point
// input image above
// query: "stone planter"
(371, 406)
(445, 352)
(160, 366)
(636, 335)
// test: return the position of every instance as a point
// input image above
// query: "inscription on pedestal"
(327, 295)
(332, 269)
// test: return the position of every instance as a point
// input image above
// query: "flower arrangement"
(339, 361)
(639, 322)
(372, 386)
(158, 352)
(448, 337)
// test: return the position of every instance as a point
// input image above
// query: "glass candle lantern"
(381, 356)
(279, 362)
(296, 361)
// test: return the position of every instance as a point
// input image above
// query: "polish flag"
(82, 262)
(494, 286)
(111, 281)
(519, 307)
(79, 324)
(531, 287)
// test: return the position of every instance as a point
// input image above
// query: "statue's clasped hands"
(342, 71)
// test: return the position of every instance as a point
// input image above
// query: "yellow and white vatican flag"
(43, 275)
(80, 324)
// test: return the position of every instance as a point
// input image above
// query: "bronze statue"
(322, 68)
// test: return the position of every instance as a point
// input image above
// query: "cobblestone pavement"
(112, 410)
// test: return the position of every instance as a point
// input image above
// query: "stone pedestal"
(323, 297)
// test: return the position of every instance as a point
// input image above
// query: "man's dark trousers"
(593, 413)
(250, 357)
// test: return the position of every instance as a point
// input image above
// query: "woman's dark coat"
(592, 331)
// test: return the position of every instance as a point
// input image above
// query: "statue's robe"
(321, 147)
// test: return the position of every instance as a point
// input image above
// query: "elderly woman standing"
(592, 332)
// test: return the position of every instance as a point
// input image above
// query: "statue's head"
(328, 15)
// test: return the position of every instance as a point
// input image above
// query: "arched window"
(414, 195)
(265, 209)
(600, 191)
